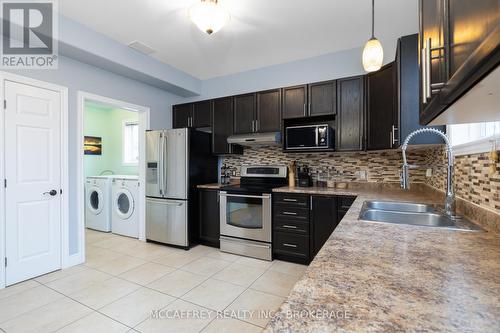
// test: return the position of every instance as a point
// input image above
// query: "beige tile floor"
(124, 279)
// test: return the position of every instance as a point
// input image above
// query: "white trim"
(124, 124)
(475, 147)
(63, 91)
(144, 124)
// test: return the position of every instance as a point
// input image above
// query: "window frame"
(126, 123)
(478, 146)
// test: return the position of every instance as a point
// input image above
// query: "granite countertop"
(377, 277)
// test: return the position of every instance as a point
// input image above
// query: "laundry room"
(111, 161)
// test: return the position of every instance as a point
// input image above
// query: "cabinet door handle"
(423, 64)
(289, 226)
(393, 132)
(256, 125)
(305, 111)
(290, 245)
(289, 200)
(290, 213)
(428, 67)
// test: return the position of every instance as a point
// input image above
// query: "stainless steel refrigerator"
(176, 161)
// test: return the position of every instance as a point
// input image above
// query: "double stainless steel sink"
(412, 214)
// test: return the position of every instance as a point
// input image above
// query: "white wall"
(79, 76)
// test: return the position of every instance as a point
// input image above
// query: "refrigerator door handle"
(164, 161)
(160, 164)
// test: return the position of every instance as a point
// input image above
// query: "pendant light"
(373, 54)
(209, 16)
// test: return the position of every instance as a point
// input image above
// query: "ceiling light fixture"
(209, 16)
(373, 54)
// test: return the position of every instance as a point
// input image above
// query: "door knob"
(52, 193)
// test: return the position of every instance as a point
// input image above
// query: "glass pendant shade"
(373, 55)
(209, 16)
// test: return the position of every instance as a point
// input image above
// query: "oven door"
(246, 216)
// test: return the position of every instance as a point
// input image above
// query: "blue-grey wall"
(79, 76)
(326, 67)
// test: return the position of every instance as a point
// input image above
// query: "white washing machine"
(125, 206)
(98, 203)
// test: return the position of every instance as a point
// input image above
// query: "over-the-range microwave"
(309, 137)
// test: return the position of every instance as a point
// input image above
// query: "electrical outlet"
(428, 173)
(361, 174)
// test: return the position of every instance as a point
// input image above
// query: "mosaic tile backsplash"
(472, 179)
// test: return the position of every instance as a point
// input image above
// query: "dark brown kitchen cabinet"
(268, 111)
(202, 114)
(294, 102)
(381, 122)
(244, 113)
(407, 93)
(222, 127)
(257, 113)
(181, 115)
(459, 46)
(315, 99)
(302, 223)
(323, 221)
(470, 23)
(208, 217)
(322, 98)
(195, 115)
(433, 40)
(350, 113)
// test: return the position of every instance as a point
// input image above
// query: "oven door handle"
(265, 196)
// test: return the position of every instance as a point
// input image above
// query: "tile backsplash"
(380, 166)
(472, 179)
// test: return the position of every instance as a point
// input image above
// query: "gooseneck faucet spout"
(449, 205)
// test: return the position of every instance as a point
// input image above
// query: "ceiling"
(260, 33)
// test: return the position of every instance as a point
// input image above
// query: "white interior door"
(33, 173)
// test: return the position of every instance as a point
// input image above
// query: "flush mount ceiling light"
(209, 16)
(373, 54)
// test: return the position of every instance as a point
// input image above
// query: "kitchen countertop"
(377, 277)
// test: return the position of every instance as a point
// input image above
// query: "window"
(474, 138)
(130, 143)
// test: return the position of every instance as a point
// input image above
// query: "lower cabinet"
(208, 217)
(323, 221)
(302, 224)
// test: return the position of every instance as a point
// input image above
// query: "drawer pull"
(289, 226)
(290, 200)
(290, 245)
(290, 213)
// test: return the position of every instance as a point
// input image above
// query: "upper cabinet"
(350, 113)
(202, 114)
(222, 127)
(268, 111)
(381, 123)
(195, 115)
(316, 99)
(244, 114)
(181, 115)
(295, 102)
(257, 112)
(407, 94)
(459, 46)
(322, 98)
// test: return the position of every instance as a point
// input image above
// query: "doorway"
(34, 168)
(112, 137)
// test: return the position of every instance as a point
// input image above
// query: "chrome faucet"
(449, 204)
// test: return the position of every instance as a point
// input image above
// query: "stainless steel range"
(245, 211)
